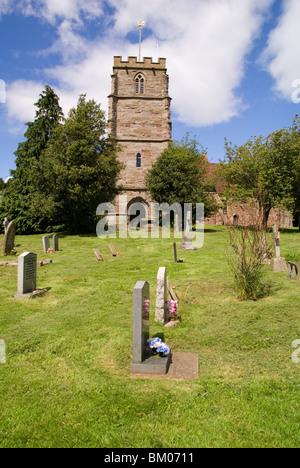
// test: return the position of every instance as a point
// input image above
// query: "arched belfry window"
(139, 160)
(139, 84)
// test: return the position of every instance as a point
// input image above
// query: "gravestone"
(27, 265)
(113, 251)
(187, 242)
(9, 239)
(276, 239)
(142, 361)
(5, 224)
(176, 225)
(171, 290)
(46, 244)
(161, 296)
(2, 352)
(98, 255)
(55, 243)
(292, 270)
(175, 254)
(278, 264)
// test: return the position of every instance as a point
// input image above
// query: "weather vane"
(140, 25)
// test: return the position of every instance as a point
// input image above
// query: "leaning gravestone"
(46, 244)
(9, 240)
(175, 253)
(27, 265)
(143, 362)
(98, 255)
(113, 251)
(161, 296)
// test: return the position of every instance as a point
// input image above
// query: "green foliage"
(62, 171)
(2, 185)
(20, 190)
(265, 169)
(78, 170)
(178, 175)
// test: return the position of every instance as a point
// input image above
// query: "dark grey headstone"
(141, 321)
(143, 362)
(55, 243)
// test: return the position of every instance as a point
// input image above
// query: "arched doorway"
(138, 211)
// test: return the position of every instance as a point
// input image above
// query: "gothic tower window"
(138, 160)
(139, 84)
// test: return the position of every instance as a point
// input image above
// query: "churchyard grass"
(66, 381)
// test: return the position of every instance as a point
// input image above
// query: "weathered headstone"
(276, 239)
(278, 264)
(176, 224)
(171, 290)
(293, 270)
(2, 352)
(113, 251)
(142, 361)
(9, 240)
(161, 296)
(187, 241)
(98, 255)
(27, 265)
(55, 243)
(5, 224)
(46, 244)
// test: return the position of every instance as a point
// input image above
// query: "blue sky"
(234, 65)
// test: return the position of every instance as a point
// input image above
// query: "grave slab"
(183, 366)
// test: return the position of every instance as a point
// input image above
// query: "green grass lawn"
(66, 381)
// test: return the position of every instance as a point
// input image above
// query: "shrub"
(249, 249)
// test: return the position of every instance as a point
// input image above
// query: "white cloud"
(206, 43)
(55, 10)
(281, 57)
(20, 98)
(5, 6)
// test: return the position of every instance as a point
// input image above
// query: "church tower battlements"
(139, 118)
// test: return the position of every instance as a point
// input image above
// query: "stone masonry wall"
(139, 122)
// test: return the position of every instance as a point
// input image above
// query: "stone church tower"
(139, 119)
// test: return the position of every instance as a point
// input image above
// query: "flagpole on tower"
(140, 41)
